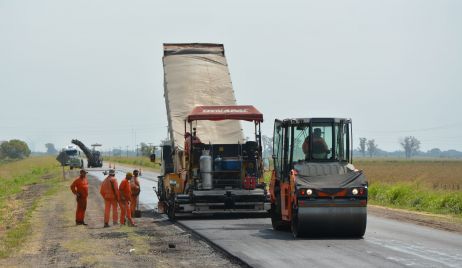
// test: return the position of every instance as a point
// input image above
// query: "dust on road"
(55, 240)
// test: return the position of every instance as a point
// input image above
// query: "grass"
(428, 185)
(15, 212)
(428, 174)
(433, 186)
(408, 196)
(141, 161)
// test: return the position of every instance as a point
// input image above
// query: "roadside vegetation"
(23, 183)
(433, 186)
(13, 150)
(140, 161)
(427, 185)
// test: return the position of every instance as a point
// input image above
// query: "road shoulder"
(441, 222)
(55, 240)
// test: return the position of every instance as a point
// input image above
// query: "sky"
(92, 69)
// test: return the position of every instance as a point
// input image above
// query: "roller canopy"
(217, 113)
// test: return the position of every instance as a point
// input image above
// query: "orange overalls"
(125, 196)
(110, 192)
(80, 188)
(135, 189)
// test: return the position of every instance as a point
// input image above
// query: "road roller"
(315, 190)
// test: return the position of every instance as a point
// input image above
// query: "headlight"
(309, 192)
(354, 191)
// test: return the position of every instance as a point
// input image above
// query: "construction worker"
(124, 200)
(320, 148)
(80, 189)
(135, 188)
(110, 192)
(187, 141)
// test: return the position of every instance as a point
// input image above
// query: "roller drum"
(335, 221)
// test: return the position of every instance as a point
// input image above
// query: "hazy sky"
(93, 69)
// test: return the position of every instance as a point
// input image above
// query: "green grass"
(429, 185)
(414, 197)
(14, 178)
(140, 161)
(267, 176)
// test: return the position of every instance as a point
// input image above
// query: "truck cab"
(74, 160)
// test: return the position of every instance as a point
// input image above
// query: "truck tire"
(171, 212)
(276, 219)
(295, 227)
(171, 207)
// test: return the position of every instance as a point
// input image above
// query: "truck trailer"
(207, 165)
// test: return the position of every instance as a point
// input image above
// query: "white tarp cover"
(194, 77)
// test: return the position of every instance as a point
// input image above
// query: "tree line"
(14, 149)
(410, 145)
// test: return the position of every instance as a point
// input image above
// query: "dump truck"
(315, 189)
(94, 157)
(207, 164)
(70, 156)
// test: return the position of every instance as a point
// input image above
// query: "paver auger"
(315, 190)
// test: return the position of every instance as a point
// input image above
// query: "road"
(387, 243)
(147, 179)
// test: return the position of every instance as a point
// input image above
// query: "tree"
(14, 149)
(1, 151)
(147, 150)
(410, 145)
(362, 146)
(372, 147)
(51, 148)
(435, 152)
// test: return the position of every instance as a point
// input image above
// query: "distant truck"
(73, 158)
(94, 157)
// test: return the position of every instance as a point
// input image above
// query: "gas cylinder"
(205, 163)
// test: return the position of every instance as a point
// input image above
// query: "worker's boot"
(106, 225)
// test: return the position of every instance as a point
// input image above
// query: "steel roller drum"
(330, 221)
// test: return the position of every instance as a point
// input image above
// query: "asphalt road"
(147, 180)
(387, 243)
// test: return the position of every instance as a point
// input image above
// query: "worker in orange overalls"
(110, 192)
(135, 188)
(124, 200)
(80, 188)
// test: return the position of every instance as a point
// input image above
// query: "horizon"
(93, 71)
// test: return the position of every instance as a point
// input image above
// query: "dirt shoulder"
(55, 240)
(441, 222)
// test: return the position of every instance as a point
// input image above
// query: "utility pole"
(127, 151)
(137, 150)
